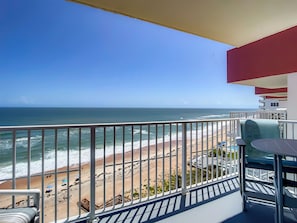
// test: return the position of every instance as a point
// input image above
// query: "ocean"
(59, 116)
(49, 116)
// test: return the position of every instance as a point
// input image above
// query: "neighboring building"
(272, 104)
(269, 104)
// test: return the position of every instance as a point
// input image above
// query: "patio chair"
(254, 159)
(28, 214)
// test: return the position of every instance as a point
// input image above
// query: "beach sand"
(134, 176)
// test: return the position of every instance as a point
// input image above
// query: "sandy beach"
(133, 177)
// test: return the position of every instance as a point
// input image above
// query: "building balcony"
(261, 114)
(127, 172)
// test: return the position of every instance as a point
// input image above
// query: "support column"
(292, 96)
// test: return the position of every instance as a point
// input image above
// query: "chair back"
(258, 129)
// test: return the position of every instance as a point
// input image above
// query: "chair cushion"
(260, 163)
(289, 166)
(258, 129)
(17, 215)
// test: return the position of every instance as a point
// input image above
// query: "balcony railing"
(273, 114)
(83, 170)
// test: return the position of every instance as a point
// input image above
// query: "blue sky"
(56, 53)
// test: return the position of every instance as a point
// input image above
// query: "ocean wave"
(137, 131)
(21, 142)
(214, 116)
(60, 157)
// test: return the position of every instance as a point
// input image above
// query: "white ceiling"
(235, 22)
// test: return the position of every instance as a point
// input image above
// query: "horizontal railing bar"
(288, 121)
(126, 123)
(64, 126)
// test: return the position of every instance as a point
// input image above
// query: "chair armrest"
(35, 193)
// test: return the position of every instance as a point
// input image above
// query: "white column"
(292, 96)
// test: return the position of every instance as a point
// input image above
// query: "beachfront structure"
(263, 34)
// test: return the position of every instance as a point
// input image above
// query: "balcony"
(129, 172)
(273, 114)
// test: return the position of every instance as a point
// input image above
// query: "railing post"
(13, 165)
(93, 219)
(184, 158)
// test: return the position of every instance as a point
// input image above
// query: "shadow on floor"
(167, 206)
(259, 213)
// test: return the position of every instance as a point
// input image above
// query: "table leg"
(278, 188)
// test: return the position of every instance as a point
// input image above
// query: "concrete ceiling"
(234, 22)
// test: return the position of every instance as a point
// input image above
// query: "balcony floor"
(163, 208)
(204, 204)
(259, 213)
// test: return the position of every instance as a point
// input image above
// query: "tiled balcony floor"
(260, 213)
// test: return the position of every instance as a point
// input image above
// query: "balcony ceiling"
(273, 82)
(234, 22)
(277, 81)
(280, 96)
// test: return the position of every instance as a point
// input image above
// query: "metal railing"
(288, 129)
(83, 170)
(272, 114)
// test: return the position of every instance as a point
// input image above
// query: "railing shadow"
(161, 208)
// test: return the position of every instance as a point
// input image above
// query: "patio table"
(280, 148)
